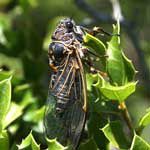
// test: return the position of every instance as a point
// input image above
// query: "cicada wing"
(54, 126)
(76, 113)
(66, 125)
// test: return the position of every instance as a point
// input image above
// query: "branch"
(126, 117)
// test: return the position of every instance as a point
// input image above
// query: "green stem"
(127, 117)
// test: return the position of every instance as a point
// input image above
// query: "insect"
(66, 107)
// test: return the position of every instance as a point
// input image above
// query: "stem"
(127, 117)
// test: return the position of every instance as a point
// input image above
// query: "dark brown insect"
(67, 99)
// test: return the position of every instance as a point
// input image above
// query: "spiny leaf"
(15, 111)
(119, 93)
(29, 141)
(96, 46)
(119, 67)
(115, 65)
(129, 68)
(145, 120)
(54, 145)
(114, 133)
(94, 43)
(139, 144)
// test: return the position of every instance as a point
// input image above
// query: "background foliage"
(25, 28)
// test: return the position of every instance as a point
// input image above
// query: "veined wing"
(65, 116)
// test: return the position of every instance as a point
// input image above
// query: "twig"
(126, 117)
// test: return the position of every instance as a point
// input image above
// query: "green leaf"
(29, 141)
(96, 121)
(115, 65)
(54, 145)
(15, 111)
(27, 99)
(119, 93)
(90, 79)
(145, 120)
(119, 67)
(129, 68)
(5, 74)
(5, 97)
(95, 44)
(26, 4)
(114, 133)
(4, 141)
(35, 115)
(88, 145)
(139, 144)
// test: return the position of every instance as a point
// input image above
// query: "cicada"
(66, 106)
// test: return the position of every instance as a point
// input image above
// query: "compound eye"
(69, 25)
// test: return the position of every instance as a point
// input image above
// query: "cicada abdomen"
(66, 104)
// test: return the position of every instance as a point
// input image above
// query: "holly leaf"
(139, 144)
(15, 111)
(54, 145)
(114, 133)
(120, 69)
(145, 120)
(90, 144)
(5, 97)
(4, 141)
(119, 93)
(29, 143)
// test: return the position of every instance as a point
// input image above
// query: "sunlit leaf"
(15, 111)
(27, 99)
(114, 133)
(29, 141)
(4, 25)
(35, 115)
(21, 87)
(5, 74)
(129, 68)
(115, 65)
(90, 80)
(139, 144)
(145, 120)
(95, 44)
(119, 93)
(54, 145)
(5, 97)
(119, 67)
(4, 141)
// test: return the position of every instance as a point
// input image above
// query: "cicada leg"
(92, 68)
(97, 30)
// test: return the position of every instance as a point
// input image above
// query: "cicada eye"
(69, 24)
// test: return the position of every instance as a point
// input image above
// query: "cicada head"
(68, 24)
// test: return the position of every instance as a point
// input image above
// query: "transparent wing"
(64, 116)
